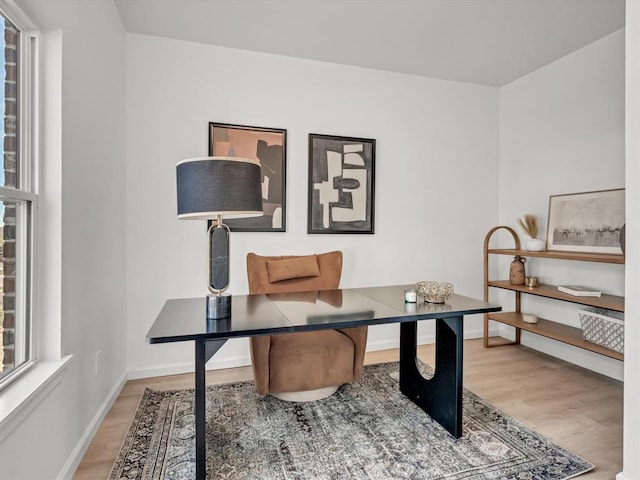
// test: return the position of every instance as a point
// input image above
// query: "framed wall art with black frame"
(588, 222)
(269, 145)
(341, 184)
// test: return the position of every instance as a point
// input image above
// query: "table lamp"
(210, 188)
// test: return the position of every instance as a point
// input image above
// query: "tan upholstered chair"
(303, 366)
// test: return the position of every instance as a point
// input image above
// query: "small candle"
(410, 296)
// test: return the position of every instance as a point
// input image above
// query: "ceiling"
(488, 42)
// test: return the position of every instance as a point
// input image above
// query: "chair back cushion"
(291, 273)
(288, 268)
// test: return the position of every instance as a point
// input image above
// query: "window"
(18, 200)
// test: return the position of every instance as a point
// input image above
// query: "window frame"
(26, 191)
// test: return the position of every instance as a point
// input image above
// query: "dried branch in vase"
(529, 223)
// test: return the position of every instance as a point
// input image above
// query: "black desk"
(183, 320)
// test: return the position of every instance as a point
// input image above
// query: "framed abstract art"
(269, 145)
(341, 184)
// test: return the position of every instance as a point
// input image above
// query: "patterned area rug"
(367, 430)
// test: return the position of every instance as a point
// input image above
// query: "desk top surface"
(251, 315)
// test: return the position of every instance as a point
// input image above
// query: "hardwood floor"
(576, 408)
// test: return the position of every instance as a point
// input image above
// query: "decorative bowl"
(435, 292)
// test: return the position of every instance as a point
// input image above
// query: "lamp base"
(218, 306)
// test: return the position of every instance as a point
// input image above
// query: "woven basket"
(604, 327)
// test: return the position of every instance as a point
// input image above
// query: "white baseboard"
(473, 334)
(383, 345)
(232, 362)
(622, 476)
(75, 458)
(245, 360)
(240, 361)
(176, 369)
(180, 368)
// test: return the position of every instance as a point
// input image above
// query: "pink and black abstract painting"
(268, 145)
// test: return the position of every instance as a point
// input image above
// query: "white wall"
(562, 131)
(631, 469)
(437, 143)
(436, 168)
(85, 46)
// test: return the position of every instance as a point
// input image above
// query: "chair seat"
(304, 361)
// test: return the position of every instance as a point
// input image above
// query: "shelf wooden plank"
(611, 302)
(585, 257)
(556, 331)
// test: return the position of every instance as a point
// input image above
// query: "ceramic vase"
(516, 271)
(534, 245)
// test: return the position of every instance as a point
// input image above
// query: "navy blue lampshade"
(211, 186)
(217, 188)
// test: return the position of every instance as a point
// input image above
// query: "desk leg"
(200, 411)
(440, 396)
(205, 349)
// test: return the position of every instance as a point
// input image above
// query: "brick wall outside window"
(8, 230)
